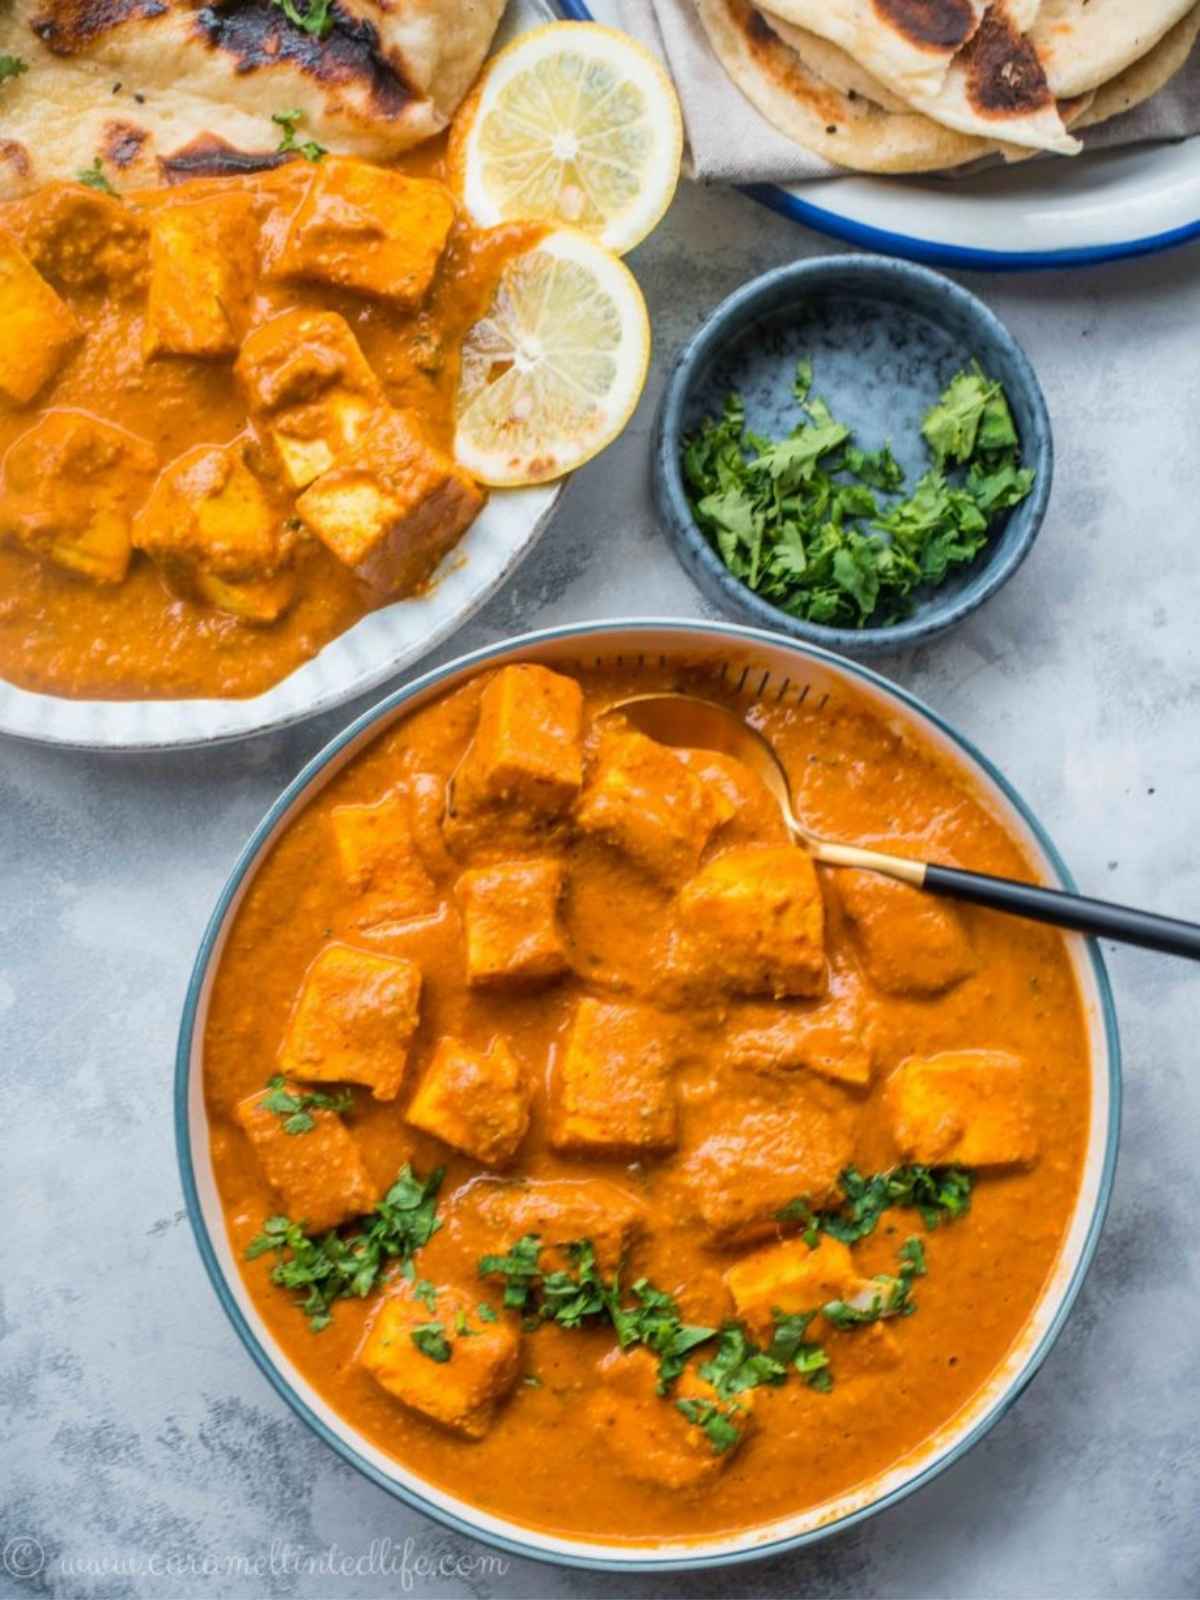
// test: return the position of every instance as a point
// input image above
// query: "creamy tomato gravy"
(139, 638)
(747, 1125)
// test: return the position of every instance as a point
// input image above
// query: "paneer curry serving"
(226, 410)
(605, 1162)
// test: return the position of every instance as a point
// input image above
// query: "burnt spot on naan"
(784, 66)
(208, 156)
(941, 25)
(256, 35)
(70, 26)
(1005, 77)
(122, 143)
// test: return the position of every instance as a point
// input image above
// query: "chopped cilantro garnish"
(425, 1291)
(12, 67)
(893, 1297)
(940, 1194)
(573, 1297)
(338, 1265)
(94, 178)
(314, 19)
(719, 1423)
(796, 519)
(289, 121)
(296, 1105)
(532, 1381)
(790, 1347)
(486, 1313)
(430, 1339)
(739, 1364)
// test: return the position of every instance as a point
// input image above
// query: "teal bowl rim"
(248, 857)
(866, 276)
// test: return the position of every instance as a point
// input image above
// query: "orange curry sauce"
(151, 635)
(702, 1031)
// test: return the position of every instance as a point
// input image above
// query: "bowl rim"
(530, 1548)
(727, 321)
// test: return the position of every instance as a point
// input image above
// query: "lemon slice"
(554, 371)
(575, 124)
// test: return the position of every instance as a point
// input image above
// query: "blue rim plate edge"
(933, 254)
(519, 1548)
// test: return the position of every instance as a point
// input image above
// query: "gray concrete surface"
(140, 1448)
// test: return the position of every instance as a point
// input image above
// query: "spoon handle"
(1100, 918)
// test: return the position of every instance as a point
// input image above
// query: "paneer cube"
(527, 753)
(460, 1393)
(366, 228)
(511, 916)
(740, 1178)
(812, 1041)
(255, 600)
(319, 1174)
(392, 505)
(70, 487)
(612, 1091)
(308, 389)
(563, 1211)
(791, 1277)
(970, 1108)
(202, 262)
(648, 1435)
(353, 1021)
(753, 923)
(37, 329)
(215, 531)
(476, 1100)
(647, 803)
(379, 857)
(911, 943)
(80, 238)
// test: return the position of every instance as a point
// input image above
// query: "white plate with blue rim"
(1107, 206)
(376, 648)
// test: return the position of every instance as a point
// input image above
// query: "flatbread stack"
(897, 86)
(158, 89)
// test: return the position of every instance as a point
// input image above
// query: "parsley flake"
(12, 67)
(94, 178)
(430, 1339)
(289, 121)
(295, 1106)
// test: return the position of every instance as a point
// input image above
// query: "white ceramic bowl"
(802, 669)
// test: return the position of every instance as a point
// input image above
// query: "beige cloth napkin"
(729, 142)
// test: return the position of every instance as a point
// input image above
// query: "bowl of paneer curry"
(226, 445)
(594, 1172)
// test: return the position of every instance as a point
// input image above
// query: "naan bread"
(164, 88)
(1147, 76)
(831, 62)
(1086, 43)
(907, 44)
(996, 88)
(850, 133)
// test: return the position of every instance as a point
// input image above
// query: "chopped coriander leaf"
(486, 1313)
(893, 1297)
(656, 1322)
(938, 1193)
(12, 67)
(430, 1339)
(314, 18)
(785, 520)
(94, 178)
(739, 1364)
(519, 1269)
(338, 1265)
(532, 1381)
(289, 121)
(462, 1327)
(295, 1106)
(425, 1291)
(718, 1424)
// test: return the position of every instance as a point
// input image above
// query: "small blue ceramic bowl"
(885, 338)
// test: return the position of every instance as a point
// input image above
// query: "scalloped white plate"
(375, 648)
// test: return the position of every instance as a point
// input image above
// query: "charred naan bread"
(843, 128)
(1086, 43)
(162, 88)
